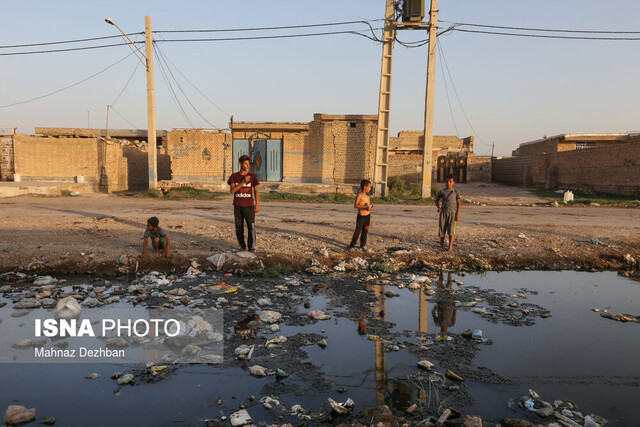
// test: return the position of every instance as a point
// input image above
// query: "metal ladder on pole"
(384, 104)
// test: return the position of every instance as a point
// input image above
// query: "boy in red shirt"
(243, 185)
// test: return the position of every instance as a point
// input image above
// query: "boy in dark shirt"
(159, 238)
(243, 185)
(449, 212)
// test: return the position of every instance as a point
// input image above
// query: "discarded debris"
(18, 414)
(342, 408)
(240, 418)
(320, 315)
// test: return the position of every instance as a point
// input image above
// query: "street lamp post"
(147, 61)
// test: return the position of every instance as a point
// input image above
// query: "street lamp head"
(109, 21)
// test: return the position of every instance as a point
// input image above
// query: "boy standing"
(243, 185)
(364, 206)
(159, 238)
(449, 212)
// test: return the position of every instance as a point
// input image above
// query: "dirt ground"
(503, 228)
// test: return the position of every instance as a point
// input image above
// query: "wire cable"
(171, 90)
(65, 41)
(444, 58)
(162, 55)
(279, 36)
(194, 86)
(71, 49)
(284, 27)
(446, 89)
(67, 87)
(123, 117)
(542, 29)
(126, 84)
(544, 36)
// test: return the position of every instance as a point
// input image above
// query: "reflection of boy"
(444, 313)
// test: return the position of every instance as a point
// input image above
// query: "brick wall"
(414, 140)
(56, 158)
(6, 157)
(198, 155)
(511, 170)
(478, 168)
(304, 157)
(607, 169)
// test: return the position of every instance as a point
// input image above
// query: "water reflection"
(444, 312)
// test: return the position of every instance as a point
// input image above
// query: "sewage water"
(574, 355)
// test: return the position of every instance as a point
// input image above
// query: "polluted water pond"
(331, 346)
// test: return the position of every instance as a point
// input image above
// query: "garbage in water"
(18, 414)
(240, 418)
(342, 408)
(221, 288)
(320, 315)
(595, 241)
(453, 376)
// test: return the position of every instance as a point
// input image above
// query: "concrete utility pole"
(384, 103)
(427, 154)
(151, 108)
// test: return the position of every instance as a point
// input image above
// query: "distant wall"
(56, 159)
(511, 170)
(198, 155)
(478, 168)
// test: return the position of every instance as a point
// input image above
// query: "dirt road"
(90, 232)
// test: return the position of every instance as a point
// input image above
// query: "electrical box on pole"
(412, 10)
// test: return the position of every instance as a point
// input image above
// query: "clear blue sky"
(512, 89)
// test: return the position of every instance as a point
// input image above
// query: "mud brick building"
(607, 163)
(331, 149)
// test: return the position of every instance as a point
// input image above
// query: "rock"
(240, 418)
(117, 342)
(270, 316)
(212, 359)
(263, 302)
(274, 328)
(412, 408)
(323, 343)
(116, 375)
(48, 421)
(28, 303)
(467, 421)
(589, 422)
(44, 280)
(177, 292)
(629, 259)
(18, 414)
(35, 342)
(43, 294)
(125, 379)
(426, 365)
(258, 371)
(90, 302)
(93, 376)
(191, 350)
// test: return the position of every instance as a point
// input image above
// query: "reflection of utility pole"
(88, 119)
(427, 152)
(381, 358)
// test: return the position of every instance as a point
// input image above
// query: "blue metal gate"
(274, 160)
(259, 156)
(240, 148)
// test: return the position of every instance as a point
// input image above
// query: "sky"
(502, 90)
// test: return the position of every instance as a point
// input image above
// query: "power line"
(126, 84)
(543, 36)
(279, 36)
(67, 87)
(194, 86)
(541, 29)
(284, 27)
(161, 55)
(458, 97)
(32, 52)
(66, 41)
(123, 118)
(171, 90)
(446, 89)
